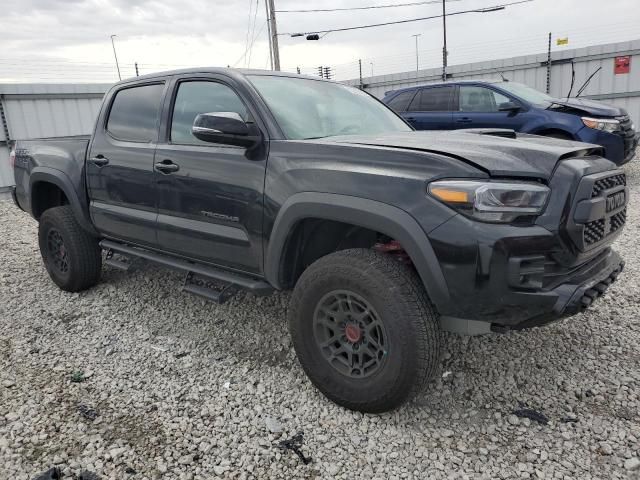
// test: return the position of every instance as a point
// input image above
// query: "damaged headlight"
(498, 201)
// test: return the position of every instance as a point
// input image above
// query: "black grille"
(627, 134)
(609, 182)
(618, 220)
(594, 231)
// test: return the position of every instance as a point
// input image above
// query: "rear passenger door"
(431, 108)
(119, 166)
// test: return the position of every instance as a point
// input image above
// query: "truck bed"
(38, 159)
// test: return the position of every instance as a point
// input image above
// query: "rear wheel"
(364, 330)
(71, 255)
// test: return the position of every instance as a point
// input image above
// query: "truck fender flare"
(378, 216)
(62, 181)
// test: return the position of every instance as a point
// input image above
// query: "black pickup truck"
(266, 181)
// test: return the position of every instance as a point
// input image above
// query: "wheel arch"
(365, 213)
(44, 177)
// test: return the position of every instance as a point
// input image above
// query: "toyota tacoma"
(264, 181)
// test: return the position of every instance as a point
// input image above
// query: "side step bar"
(232, 281)
(115, 263)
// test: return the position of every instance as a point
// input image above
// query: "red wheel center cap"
(353, 333)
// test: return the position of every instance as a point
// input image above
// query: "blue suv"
(503, 104)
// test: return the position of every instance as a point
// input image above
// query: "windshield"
(306, 108)
(526, 93)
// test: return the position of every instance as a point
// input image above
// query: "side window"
(400, 102)
(196, 97)
(135, 112)
(434, 99)
(480, 99)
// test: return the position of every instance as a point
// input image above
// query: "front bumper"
(620, 148)
(518, 276)
(579, 291)
(509, 280)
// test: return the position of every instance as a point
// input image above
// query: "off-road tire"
(396, 293)
(83, 257)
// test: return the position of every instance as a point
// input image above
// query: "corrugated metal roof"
(50, 117)
(46, 110)
(52, 88)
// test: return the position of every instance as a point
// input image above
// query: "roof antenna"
(573, 79)
(504, 79)
(586, 83)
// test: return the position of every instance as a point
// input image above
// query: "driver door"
(210, 196)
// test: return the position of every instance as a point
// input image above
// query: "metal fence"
(44, 110)
(621, 89)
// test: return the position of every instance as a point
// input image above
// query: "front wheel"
(364, 330)
(71, 255)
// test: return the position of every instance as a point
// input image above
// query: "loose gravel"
(133, 379)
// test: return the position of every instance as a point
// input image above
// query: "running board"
(231, 280)
(112, 262)
(198, 286)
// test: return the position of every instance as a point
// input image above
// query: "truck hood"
(500, 153)
(590, 107)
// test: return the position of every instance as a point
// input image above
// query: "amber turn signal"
(450, 196)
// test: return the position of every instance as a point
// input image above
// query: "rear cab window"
(401, 102)
(433, 99)
(135, 113)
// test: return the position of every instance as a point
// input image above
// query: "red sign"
(622, 65)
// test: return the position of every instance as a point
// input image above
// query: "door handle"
(99, 160)
(166, 166)
(464, 120)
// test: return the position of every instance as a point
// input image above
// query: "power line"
(247, 38)
(409, 20)
(370, 7)
(253, 34)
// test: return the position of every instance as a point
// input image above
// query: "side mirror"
(509, 107)
(227, 128)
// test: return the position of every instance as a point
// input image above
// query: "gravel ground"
(133, 379)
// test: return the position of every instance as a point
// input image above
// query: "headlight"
(501, 202)
(604, 124)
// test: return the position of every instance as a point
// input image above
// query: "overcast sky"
(68, 40)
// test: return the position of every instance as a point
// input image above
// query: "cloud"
(70, 39)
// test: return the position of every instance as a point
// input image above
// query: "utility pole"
(549, 66)
(274, 35)
(444, 47)
(417, 59)
(266, 6)
(116, 56)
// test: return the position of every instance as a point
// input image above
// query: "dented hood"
(498, 152)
